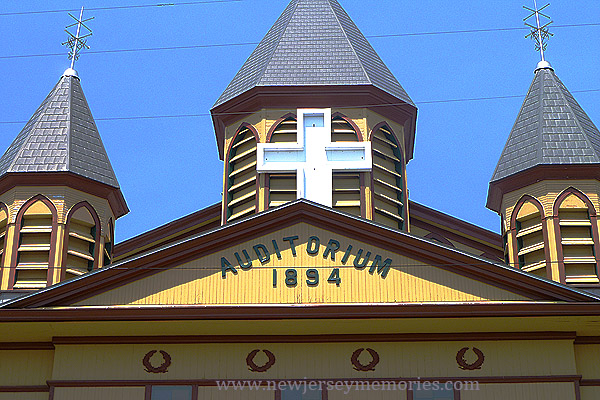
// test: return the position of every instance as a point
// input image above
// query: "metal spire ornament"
(540, 34)
(77, 41)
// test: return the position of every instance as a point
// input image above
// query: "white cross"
(314, 158)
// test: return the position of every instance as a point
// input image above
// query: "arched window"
(36, 226)
(388, 192)
(82, 238)
(346, 194)
(576, 229)
(505, 233)
(530, 234)
(241, 175)
(3, 227)
(282, 186)
(108, 243)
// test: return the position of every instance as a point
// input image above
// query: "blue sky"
(169, 167)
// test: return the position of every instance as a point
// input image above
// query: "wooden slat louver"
(241, 192)
(282, 186)
(346, 185)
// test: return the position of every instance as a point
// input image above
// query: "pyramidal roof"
(314, 42)
(551, 129)
(61, 136)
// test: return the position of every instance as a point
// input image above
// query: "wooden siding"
(24, 396)
(313, 360)
(523, 391)
(25, 367)
(95, 393)
(590, 393)
(588, 358)
(201, 281)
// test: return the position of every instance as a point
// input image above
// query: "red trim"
(513, 230)
(24, 389)
(439, 238)
(97, 254)
(251, 128)
(293, 213)
(148, 392)
(357, 130)
(16, 240)
(279, 121)
(5, 208)
(318, 96)
(590, 382)
(593, 219)
(26, 346)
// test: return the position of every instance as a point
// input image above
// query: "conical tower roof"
(61, 137)
(314, 43)
(551, 130)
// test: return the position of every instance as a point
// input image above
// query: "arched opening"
(82, 238)
(282, 187)
(241, 175)
(3, 228)
(388, 191)
(346, 195)
(36, 224)
(530, 238)
(575, 238)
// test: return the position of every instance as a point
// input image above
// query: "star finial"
(539, 33)
(77, 41)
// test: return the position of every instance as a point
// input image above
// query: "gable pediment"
(304, 254)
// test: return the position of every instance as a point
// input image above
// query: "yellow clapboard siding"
(25, 367)
(99, 393)
(24, 396)
(313, 360)
(201, 282)
(587, 356)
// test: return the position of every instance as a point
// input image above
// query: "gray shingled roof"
(61, 136)
(551, 129)
(314, 42)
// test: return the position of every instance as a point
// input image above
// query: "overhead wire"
(213, 45)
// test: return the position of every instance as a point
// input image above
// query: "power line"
(140, 117)
(199, 46)
(187, 3)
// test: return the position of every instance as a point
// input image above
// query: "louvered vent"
(33, 253)
(3, 225)
(108, 244)
(577, 242)
(530, 241)
(346, 185)
(241, 192)
(81, 249)
(388, 183)
(282, 186)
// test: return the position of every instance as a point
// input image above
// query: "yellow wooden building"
(314, 277)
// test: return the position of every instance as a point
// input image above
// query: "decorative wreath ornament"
(162, 368)
(255, 368)
(463, 364)
(358, 366)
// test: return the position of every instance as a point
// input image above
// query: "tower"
(315, 85)
(59, 196)
(546, 185)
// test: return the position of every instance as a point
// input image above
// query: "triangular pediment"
(301, 254)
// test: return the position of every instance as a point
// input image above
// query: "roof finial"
(539, 33)
(76, 42)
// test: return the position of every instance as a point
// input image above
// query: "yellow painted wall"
(25, 367)
(522, 391)
(313, 361)
(588, 360)
(24, 396)
(590, 393)
(99, 393)
(201, 281)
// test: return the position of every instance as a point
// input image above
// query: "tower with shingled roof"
(59, 196)
(315, 65)
(546, 185)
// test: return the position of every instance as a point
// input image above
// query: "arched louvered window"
(576, 231)
(108, 244)
(282, 186)
(82, 238)
(36, 226)
(241, 187)
(505, 241)
(346, 193)
(3, 228)
(530, 238)
(388, 192)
